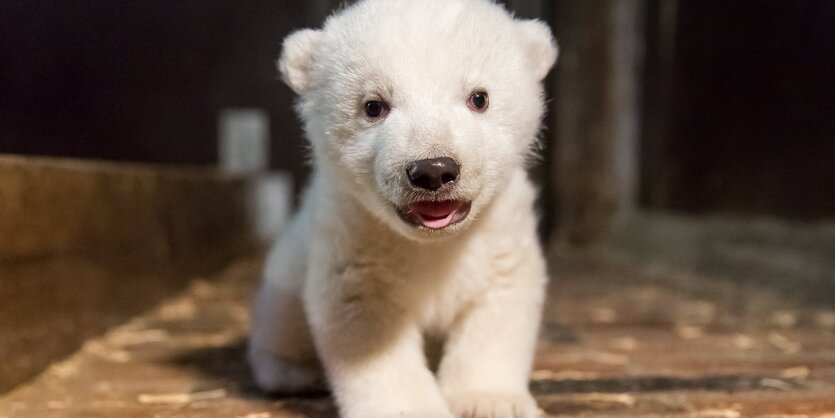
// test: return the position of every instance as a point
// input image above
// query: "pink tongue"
(435, 209)
(435, 215)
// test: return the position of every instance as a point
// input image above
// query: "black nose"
(432, 173)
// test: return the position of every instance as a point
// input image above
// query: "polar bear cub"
(418, 221)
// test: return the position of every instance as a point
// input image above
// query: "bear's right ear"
(539, 44)
(298, 53)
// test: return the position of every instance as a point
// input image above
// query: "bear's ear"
(539, 45)
(298, 52)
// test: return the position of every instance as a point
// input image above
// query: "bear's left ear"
(298, 54)
(539, 45)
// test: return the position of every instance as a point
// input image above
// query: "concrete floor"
(618, 341)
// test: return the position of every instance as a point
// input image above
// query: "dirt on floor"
(618, 340)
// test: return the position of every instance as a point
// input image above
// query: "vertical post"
(597, 116)
(244, 141)
(244, 151)
(627, 51)
(657, 170)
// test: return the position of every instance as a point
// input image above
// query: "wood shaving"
(57, 404)
(784, 319)
(717, 413)
(180, 309)
(825, 319)
(132, 338)
(699, 312)
(180, 398)
(104, 352)
(538, 375)
(800, 372)
(689, 332)
(624, 399)
(64, 369)
(604, 315)
(775, 384)
(783, 416)
(743, 342)
(784, 343)
(624, 343)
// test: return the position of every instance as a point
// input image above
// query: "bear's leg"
(488, 354)
(281, 351)
(373, 353)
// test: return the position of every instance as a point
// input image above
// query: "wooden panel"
(83, 246)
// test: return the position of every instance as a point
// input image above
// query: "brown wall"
(84, 246)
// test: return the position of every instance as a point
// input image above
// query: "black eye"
(375, 109)
(478, 101)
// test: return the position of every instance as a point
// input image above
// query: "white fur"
(353, 287)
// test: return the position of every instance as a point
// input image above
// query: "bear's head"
(421, 109)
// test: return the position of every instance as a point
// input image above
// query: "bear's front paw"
(381, 411)
(485, 404)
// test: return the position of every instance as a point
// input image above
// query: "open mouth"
(435, 215)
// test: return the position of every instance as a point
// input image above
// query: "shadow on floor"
(228, 365)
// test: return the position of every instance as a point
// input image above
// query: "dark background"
(751, 109)
(741, 120)
(142, 80)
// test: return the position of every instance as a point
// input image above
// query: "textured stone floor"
(618, 341)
